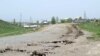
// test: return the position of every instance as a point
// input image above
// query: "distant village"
(34, 25)
(54, 20)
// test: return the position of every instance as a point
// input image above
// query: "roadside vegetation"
(7, 29)
(92, 27)
(56, 20)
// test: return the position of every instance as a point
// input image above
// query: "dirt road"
(54, 40)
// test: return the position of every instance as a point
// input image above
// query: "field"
(7, 28)
(93, 27)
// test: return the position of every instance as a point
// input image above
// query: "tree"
(80, 18)
(63, 21)
(53, 20)
(69, 20)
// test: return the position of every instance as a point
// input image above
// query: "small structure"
(30, 25)
(79, 20)
(44, 22)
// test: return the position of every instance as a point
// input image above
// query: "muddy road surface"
(54, 40)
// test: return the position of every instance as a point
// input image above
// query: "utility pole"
(57, 19)
(20, 23)
(31, 21)
(14, 21)
(85, 17)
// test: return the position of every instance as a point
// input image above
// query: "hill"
(7, 28)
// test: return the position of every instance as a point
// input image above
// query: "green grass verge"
(92, 27)
(10, 32)
(7, 29)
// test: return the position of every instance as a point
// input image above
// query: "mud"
(54, 40)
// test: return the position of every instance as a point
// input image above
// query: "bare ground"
(54, 40)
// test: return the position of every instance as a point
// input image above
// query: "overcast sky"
(45, 9)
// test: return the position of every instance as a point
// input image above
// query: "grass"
(92, 27)
(7, 29)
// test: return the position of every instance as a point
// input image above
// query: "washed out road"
(54, 40)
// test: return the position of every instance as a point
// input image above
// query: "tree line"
(55, 20)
